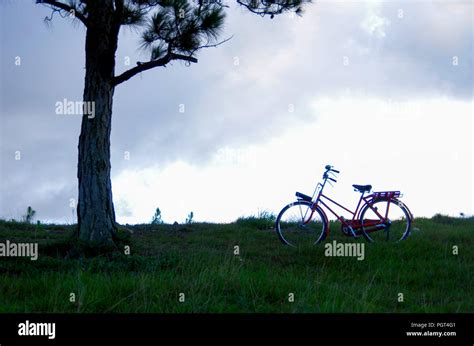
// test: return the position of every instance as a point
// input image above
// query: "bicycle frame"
(355, 214)
(363, 201)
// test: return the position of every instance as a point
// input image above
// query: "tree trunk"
(95, 210)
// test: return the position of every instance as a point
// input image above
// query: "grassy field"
(198, 260)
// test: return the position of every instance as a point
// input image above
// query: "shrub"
(263, 220)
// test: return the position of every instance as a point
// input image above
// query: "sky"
(380, 90)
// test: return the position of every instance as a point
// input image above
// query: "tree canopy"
(171, 29)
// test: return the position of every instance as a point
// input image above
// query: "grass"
(198, 260)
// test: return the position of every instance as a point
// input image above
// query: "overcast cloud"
(274, 79)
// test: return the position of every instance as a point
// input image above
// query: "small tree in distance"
(189, 219)
(157, 220)
(30, 214)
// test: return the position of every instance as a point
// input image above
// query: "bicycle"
(378, 216)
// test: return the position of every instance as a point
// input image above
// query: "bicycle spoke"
(295, 227)
(396, 226)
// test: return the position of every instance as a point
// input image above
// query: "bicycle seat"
(303, 196)
(362, 188)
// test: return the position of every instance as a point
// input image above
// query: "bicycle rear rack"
(387, 194)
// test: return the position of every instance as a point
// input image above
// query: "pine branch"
(60, 6)
(273, 7)
(151, 64)
(162, 62)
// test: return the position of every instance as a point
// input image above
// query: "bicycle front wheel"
(299, 225)
(397, 226)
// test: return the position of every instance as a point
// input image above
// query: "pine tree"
(172, 30)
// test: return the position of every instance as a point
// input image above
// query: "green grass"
(198, 259)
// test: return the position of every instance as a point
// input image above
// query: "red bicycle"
(379, 216)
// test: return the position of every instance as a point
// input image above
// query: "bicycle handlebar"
(329, 168)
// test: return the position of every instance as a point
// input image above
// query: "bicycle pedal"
(353, 233)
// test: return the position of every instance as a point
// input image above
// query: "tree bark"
(95, 209)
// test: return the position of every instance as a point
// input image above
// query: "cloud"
(284, 64)
(374, 24)
(411, 147)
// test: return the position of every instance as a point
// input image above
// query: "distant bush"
(449, 220)
(15, 225)
(263, 220)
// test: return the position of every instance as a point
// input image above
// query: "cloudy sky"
(381, 90)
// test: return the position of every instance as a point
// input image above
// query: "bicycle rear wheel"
(396, 228)
(299, 225)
